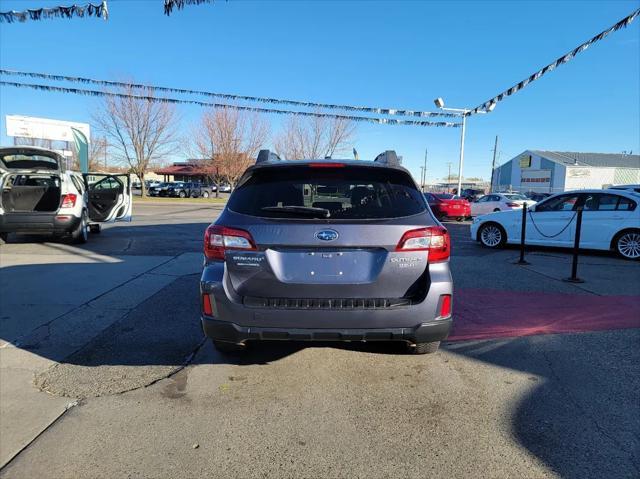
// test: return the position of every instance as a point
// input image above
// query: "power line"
(80, 91)
(229, 96)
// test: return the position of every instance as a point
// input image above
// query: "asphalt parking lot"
(104, 371)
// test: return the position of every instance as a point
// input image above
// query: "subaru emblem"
(327, 235)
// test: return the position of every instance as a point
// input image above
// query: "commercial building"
(555, 171)
(186, 171)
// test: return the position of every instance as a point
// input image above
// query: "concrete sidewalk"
(52, 305)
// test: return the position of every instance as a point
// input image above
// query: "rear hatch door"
(339, 240)
(20, 159)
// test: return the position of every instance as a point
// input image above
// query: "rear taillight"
(514, 205)
(68, 200)
(218, 239)
(434, 239)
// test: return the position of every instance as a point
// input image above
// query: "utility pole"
(493, 164)
(449, 177)
(424, 169)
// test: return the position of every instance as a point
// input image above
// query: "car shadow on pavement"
(582, 415)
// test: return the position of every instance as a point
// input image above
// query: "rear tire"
(627, 244)
(205, 194)
(425, 348)
(81, 234)
(228, 348)
(182, 194)
(496, 209)
(492, 235)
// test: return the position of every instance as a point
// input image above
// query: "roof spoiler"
(388, 158)
(267, 155)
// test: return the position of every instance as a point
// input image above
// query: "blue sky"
(389, 54)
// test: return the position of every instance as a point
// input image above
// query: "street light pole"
(461, 162)
(463, 112)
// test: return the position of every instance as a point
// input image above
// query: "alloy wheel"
(491, 236)
(629, 245)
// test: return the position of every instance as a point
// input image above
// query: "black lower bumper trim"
(231, 332)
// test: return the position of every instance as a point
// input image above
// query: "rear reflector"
(434, 239)
(218, 239)
(68, 200)
(206, 305)
(445, 306)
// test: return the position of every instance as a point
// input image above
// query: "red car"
(446, 205)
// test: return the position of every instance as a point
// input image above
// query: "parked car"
(188, 190)
(635, 188)
(472, 194)
(225, 188)
(152, 183)
(535, 196)
(499, 202)
(610, 221)
(326, 250)
(40, 196)
(158, 190)
(446, 205)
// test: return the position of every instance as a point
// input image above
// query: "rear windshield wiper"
(303, 210)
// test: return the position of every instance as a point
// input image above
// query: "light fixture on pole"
(464, 112)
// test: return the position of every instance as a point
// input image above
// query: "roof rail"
(267, 155)
(388, 158)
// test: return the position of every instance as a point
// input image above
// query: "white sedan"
(610, 221)
(499, 202)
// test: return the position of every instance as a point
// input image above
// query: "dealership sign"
(44, 128)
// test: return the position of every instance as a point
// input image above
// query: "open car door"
(109, 197)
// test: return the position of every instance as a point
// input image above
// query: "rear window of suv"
(342, 193)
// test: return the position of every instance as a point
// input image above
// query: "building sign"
(537, 179)
(44, 128)
(525, 161)
(578, 172)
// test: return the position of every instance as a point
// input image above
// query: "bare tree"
(98, 148)
(314, 137)
(140, 131)
(227, 141)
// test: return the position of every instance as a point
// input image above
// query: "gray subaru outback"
(326, 251)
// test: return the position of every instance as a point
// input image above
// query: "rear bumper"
(452, 213)
(236, 320)
(38, 223)
(233, 333)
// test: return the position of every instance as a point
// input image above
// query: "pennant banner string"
(88, 10)
(560, 61)
(227, 96)
(169, 5)
(80, 91)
